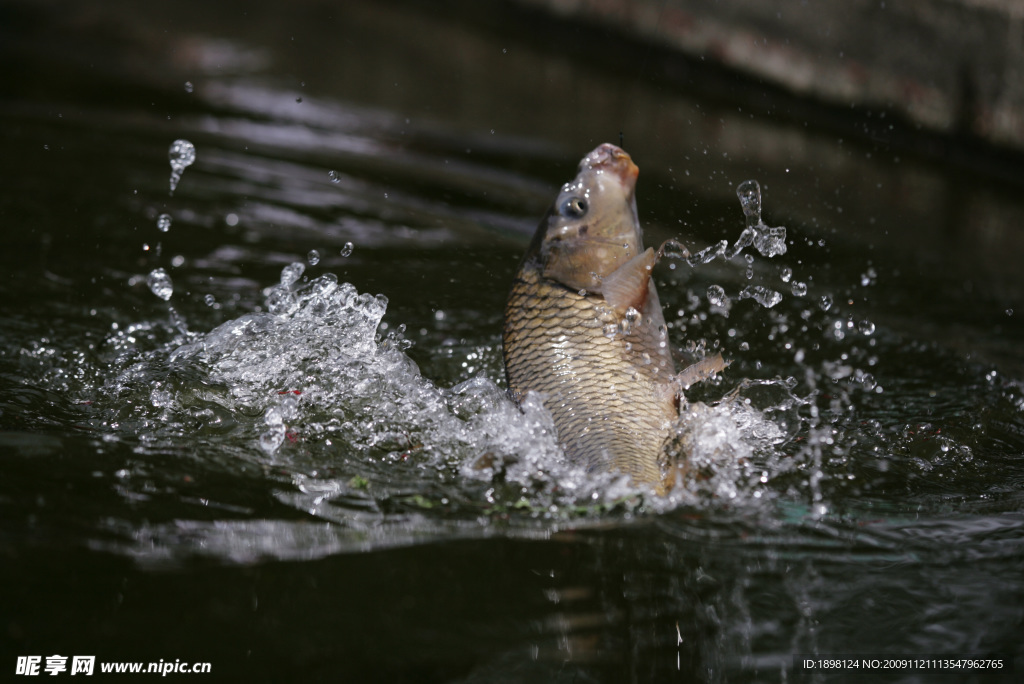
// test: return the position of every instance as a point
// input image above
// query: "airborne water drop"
(160, 284)
(764, 296)
(717, 296)
(181, 154)
(749, 193)
(292, 272)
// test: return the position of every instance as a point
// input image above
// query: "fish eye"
(574, 207)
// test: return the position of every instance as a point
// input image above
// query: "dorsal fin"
(627, 285)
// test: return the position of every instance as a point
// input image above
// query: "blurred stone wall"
(948, 66)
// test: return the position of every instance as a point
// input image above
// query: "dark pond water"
(258, 476)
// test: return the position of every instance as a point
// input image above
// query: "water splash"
(276, 416)
(314, 370)
(717, 296)
(708, 254)
(160, 284)
(764, 296)
(770, 242)
(181, 154)
(673, 249)
(749, 193)
(291, 273)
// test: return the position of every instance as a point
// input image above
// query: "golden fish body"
(584, 328)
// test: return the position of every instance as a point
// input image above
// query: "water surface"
(288, 452)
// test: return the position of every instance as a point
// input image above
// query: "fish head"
(592, 227)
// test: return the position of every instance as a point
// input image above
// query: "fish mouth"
(612, 159)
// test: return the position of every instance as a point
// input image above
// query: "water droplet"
(272, 438)
(284, 411)
(188, 87)
(313, 257)
(673, 249)
(163, 223)
(181, 154)
(745, 239)
(346, 250)
(744, 346)
(628, 321)
(825, 303)
(1009, 312)
(762, 295)
(866, 327)
(177, 261)
(717, 296)
(334, 176)
(749, 193)
(292, 272)
(799, 289)
(210, 300)
(281, 302)
(786, 274)
(770, 242)
(160, 284)
(324, 285)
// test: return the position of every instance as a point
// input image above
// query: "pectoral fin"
(627, 286)
(702, 370)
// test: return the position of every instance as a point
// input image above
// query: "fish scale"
(607, 394)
